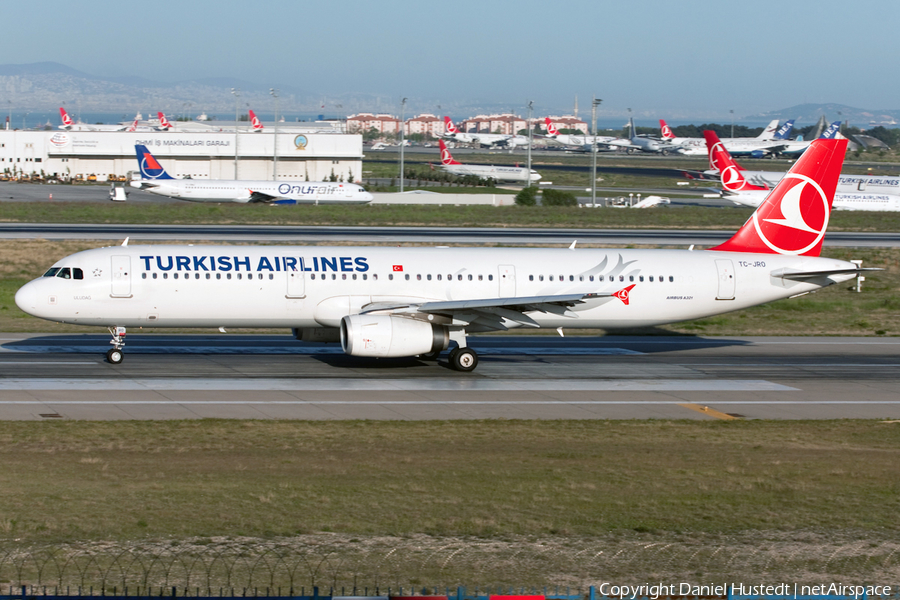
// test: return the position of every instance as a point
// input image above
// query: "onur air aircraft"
(582, 141)
(403, 302)
(155, 180)
(513, 174)
(740, 189)
(452, 132)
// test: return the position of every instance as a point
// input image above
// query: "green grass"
(125, 481)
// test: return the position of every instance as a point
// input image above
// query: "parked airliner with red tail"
(400, 302)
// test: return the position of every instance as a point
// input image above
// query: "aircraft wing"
(698, 175)
(491, 312)
(262, 197)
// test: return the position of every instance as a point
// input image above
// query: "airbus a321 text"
(402, 302)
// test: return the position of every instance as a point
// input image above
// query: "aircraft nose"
(26, 298)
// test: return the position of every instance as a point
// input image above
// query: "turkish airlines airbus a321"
(397, 302)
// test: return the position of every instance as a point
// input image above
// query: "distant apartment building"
(568, 122)
(506, 124)
(363, 122)
(426, 124)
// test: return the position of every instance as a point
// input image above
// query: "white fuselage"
(867, 201)
(212, 190)
(488, 139)
(513, 174)
(299, 287)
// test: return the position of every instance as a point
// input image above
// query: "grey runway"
(523, 377)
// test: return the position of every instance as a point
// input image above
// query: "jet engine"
(387, 336)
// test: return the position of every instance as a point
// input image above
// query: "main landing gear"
(115, 355)
(463, 359)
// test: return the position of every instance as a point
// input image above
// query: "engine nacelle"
(386, 336)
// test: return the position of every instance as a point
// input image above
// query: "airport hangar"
(303, 155)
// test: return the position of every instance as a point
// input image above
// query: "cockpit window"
(77, 273)
(51, 272)
(65, 273)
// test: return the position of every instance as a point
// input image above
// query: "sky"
(685, 57)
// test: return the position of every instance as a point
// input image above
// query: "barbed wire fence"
(351, 566)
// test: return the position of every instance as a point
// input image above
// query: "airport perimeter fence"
(342, 565)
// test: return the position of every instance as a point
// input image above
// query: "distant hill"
(810, 113)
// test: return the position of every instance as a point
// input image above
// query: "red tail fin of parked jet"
(731, 173)
(254, 121)
(449, 127)
(794, 217)
(446, 157)
(163, 121)
(133, 126)
(551, 128)
(666, 130)
(66, 119)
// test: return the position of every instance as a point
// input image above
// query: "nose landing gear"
(115, 355)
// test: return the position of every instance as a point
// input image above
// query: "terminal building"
(301, 156)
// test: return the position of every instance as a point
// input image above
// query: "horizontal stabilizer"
(804, 275)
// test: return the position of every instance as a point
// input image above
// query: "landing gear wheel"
(115, 356)
(464, 359)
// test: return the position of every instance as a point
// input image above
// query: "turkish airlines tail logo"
(133, 126)
(794, 217)
(730, 173)
(66, 119)
(449, 126)
(446, 157)
(624, 294)
(163, 121)
(551, 128)
(254, 121)
(666, 130)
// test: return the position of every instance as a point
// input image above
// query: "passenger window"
(419, 277)
(640, 278)
(207, 276)
(651, 279)
(459, 277)
(671, 279)
(470, 278)
(51, 272)
(65, 273)
(428, 277)
(439, 276)
(581, 278)
(449, 277)
(490, 277)
(154, 276)
(591, 277)
(312, 276)
(599, 277)
(390, 276)
(143, 276)
(374, 276)
(271, 276)
(631, 278)
(540, 277)
(228, 276)
(333, 276)
(365, 277)
(571, 278)
(174, 275)
(621, 278)
(343, 276)
(165, 275)
(481, 278)
(551, 278)
(406, 276)
(531, 278)
(218, 276)
(260, 276)
(77, 273)
(354, 277)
